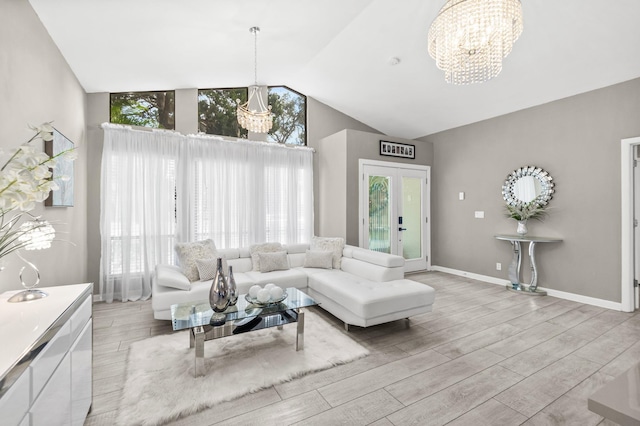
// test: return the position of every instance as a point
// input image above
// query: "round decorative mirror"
(526, 185)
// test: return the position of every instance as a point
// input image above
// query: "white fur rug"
(160, 386)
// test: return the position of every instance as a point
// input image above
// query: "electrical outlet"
(498, 266)
(479, 215)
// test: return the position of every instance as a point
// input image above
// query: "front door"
(394, 211)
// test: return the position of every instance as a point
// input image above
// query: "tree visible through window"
(289, 116)
(146, 109)
(217, 111)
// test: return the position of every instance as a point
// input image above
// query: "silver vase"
(219, 296)
(233, 288)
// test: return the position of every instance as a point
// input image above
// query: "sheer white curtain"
(245, 192)
(163, 187)
(138, 210)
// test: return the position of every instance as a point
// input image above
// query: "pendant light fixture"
(258, 120)
(469, 38)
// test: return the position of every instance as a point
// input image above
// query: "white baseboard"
(97, 298)
(616, 306)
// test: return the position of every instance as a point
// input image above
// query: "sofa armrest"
(172, 276)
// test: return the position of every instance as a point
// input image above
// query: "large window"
(146, 109)
(163, 187)
(217, 114)
(289, 116)
(217, 111)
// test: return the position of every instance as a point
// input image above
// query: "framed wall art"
(62, 172)
(395, 149)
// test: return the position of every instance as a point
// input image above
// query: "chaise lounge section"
(369, 287)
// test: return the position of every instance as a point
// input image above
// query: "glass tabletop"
(193, 314)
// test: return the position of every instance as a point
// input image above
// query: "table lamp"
(34, 235)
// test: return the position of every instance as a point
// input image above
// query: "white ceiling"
(338, 51)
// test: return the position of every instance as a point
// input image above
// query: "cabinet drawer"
(80, 318)
(48, 359)
(14, 405)
(53, 405)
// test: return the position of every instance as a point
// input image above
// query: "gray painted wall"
(37, 85)
(338, 181)
(577, 140)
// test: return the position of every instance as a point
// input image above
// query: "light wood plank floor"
(484, 356)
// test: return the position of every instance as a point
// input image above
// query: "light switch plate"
(461, 196)
(479, 215)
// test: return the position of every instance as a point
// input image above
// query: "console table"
(46, 356)
(514, 268)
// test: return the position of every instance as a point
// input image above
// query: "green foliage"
(146, 109)
(527, 211)
(289, 121)
(217, 112)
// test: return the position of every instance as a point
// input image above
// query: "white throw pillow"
(335, 245)
(207, 267)
(189, 252)
(172, 276)
(276, 261)
(255, 249)
(318, 259)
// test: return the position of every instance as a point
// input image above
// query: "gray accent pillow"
(255, 249)
(276, 261)
(318, 259)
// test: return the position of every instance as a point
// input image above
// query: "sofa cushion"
(262, 248)
(318, 259)
(368, 299)
(289, 278)
(276, 261)
(336, 245)
(172, 276)
(189, 252)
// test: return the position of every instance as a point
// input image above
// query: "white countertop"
(23, 324)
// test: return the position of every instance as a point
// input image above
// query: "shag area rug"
(160, 386)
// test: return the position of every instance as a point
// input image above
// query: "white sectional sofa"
(368, 289)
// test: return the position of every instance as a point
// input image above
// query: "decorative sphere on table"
(263, 295)
(276, 292)
(253, 291)
(269, 286)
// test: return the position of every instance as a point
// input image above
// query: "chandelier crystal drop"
(255, 120)
(469, 38)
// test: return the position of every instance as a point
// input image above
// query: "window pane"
(217, 111)
(289, 116)
(146, 109)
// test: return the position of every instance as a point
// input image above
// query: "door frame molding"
(396, 165)
(626, 198)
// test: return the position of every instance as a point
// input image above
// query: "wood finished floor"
(484, 356)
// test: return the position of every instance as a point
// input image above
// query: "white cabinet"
(81, 376)
(45, 372)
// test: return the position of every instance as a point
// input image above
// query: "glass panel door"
(411, 217)
(379, 214)
(394, 213)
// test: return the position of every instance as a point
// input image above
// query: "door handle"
(402, 229)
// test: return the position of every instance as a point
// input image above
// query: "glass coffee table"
(241, 318)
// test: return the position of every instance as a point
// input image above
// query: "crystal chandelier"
(469, 38)
(260, 120)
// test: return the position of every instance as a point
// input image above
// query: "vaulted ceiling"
(339, 52)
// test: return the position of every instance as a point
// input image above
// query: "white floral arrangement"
(25, 180)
